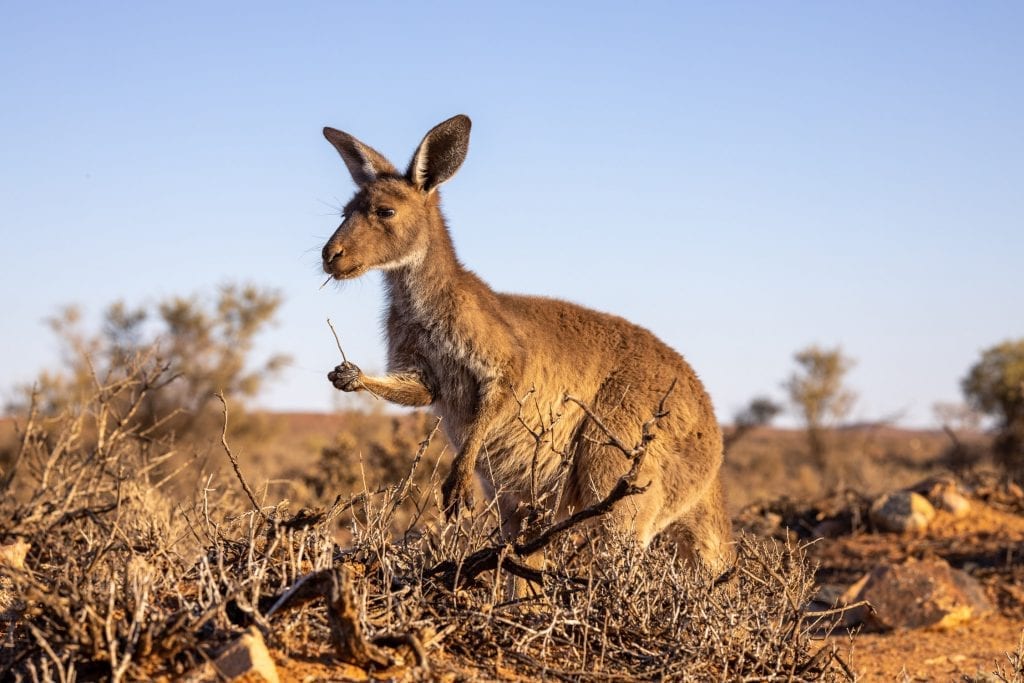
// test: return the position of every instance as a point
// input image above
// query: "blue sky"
(742, 178)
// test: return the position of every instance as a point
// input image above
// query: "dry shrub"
(106, 545)
(600, 608)
(646, 615)
(1013, 670)
(125, 583)
(1009, 671)
(370, 455)
(204, 346)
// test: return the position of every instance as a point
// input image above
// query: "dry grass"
(1013, 670)
(128, 580)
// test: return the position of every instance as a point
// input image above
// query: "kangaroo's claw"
(346, 377)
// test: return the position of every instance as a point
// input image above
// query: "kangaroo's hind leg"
(597, 467)
(704, 533)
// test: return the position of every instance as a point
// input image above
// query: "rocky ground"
(940, 564)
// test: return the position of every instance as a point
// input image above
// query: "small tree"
(995, 386)
(954, 418)
(759, 412)
(817, 393)
(204, 345)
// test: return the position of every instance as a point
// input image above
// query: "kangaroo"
(464, 349)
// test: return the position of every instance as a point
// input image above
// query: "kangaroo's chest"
(457, 397)
(457, 372)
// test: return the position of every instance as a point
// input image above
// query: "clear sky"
(743, 179)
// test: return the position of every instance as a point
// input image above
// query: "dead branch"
(623, 488)
(344, 359)
(459, 574)
(337, 341)
(234, 460)
(646, 431)
(403, 487)
(335, 587)
(29, 430)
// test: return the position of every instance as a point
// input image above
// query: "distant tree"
(995, 386)
(205, 345)
(956, 416)
(818, 395)
(759, 412)
(961, 456)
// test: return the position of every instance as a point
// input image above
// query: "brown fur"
(455, 344)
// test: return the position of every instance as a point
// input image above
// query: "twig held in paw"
(336, 340)
(344, 359)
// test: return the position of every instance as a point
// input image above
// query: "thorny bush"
(124, 583)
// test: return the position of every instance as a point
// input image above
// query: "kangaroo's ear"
(440, 154)
(364, 162)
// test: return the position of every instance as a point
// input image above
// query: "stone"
(919, 594)
(830, 528)
(953, 502)
(13, 554)
(901, 512)
(944, 493)
(853, 616)
(246, 660)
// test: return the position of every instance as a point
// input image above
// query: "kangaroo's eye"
(385, 213)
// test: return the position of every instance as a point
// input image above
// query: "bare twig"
(623, 488)
(344, 359)
(335, 587)
(336, 340)
(647, 433)
(30, 428)
(234, 460)
(403, 488)
(493, 557)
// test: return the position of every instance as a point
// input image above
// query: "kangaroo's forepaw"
(346, 377)
(458, 494)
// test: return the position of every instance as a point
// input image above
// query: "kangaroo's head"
(389, 222)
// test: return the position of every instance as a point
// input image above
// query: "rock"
(343, 671)
(830, 528)
(944, 493)
(901, 511)
(13, 554)
(919, 594)
(829, 594)
(247, 659)
(760, 521)
(953, 502)
(851, 596)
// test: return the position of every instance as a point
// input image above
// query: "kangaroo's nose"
(331, 252)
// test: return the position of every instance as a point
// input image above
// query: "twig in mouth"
(329, 278)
